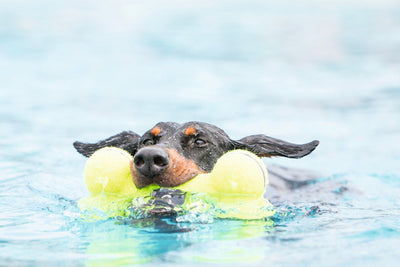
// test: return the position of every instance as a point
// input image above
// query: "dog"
(170, 154)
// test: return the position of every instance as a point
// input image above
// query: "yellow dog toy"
(235, 186)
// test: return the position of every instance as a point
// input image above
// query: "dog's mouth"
(165, 180)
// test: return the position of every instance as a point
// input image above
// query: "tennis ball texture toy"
(109, 181)
(235, 185)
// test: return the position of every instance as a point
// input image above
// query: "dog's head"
(170, 154)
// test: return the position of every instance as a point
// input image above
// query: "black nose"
(151, 161)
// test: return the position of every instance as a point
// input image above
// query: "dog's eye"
(200, 142)
(148, 142)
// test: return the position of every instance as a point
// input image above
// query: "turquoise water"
(74, 70)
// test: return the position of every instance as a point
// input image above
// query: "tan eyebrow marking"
(190, 131)
(155, 131)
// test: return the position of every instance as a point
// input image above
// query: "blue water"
(85, 70)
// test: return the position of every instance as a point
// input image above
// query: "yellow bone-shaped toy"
(235, 186)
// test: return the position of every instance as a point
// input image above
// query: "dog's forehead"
(172, 130)
(201, 128)
(163, 128)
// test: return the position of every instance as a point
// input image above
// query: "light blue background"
(298, 71)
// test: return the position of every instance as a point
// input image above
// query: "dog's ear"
(265, 146)
(126, 140)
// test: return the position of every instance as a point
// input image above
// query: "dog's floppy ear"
(126, 140)
(265, 146)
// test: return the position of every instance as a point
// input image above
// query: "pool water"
(86, 70)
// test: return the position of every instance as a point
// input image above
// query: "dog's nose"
(151, 161)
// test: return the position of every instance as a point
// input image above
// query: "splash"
(186, 207)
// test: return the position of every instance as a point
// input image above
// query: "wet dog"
(170, 154)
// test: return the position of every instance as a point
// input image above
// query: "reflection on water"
(155, 239)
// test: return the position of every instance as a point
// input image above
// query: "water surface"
(73, 70)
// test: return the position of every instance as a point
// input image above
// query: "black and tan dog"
(170, 154)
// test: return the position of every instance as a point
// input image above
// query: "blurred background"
(294, 70)
(297, 71)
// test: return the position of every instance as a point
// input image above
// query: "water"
(73, 70)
